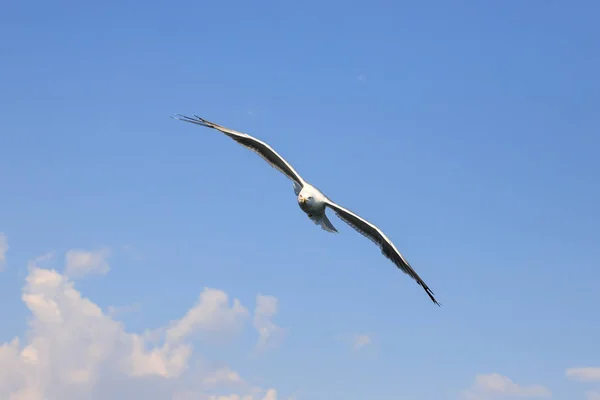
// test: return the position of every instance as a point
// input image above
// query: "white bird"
(314, 203)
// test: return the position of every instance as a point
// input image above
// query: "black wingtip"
(430, 294)
(207, 122)
(182, 117)
(197, 120)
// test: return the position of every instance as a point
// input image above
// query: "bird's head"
(304, 199)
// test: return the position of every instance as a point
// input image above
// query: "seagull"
(313, 202)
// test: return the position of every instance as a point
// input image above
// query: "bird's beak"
(302, 199)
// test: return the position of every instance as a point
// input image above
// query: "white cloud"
(270, 395)
(360, 340)
(211, 314)
(82, 262)
(39, 260)
(356, 341)
(73, 350)
(495, 386)
(3, 250)
(269, 334)
(592, 396)
(584, 374)
(222, 375)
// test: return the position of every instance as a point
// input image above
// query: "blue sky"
(467, 132)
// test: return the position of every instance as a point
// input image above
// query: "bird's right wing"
(259, 147)
(378, 237)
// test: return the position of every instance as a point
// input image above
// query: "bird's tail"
(324, 222)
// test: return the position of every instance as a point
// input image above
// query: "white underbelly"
(312, 209)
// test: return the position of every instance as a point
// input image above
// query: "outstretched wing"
(259, 147)
(378, 237)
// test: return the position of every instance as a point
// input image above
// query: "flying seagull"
(313, 202)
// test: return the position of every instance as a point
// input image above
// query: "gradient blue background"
(468, 132)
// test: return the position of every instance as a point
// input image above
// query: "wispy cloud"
(586, 374)
(361, 340)
(82, 262)
(356, 341)
(3, 250)
(594, 395)
(493, 385)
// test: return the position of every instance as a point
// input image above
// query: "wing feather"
(252, 143)
(374, 234)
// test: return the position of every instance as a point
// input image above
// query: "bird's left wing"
(378, 237)
(252, 143)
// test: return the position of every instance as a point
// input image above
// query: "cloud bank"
(72, 349)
